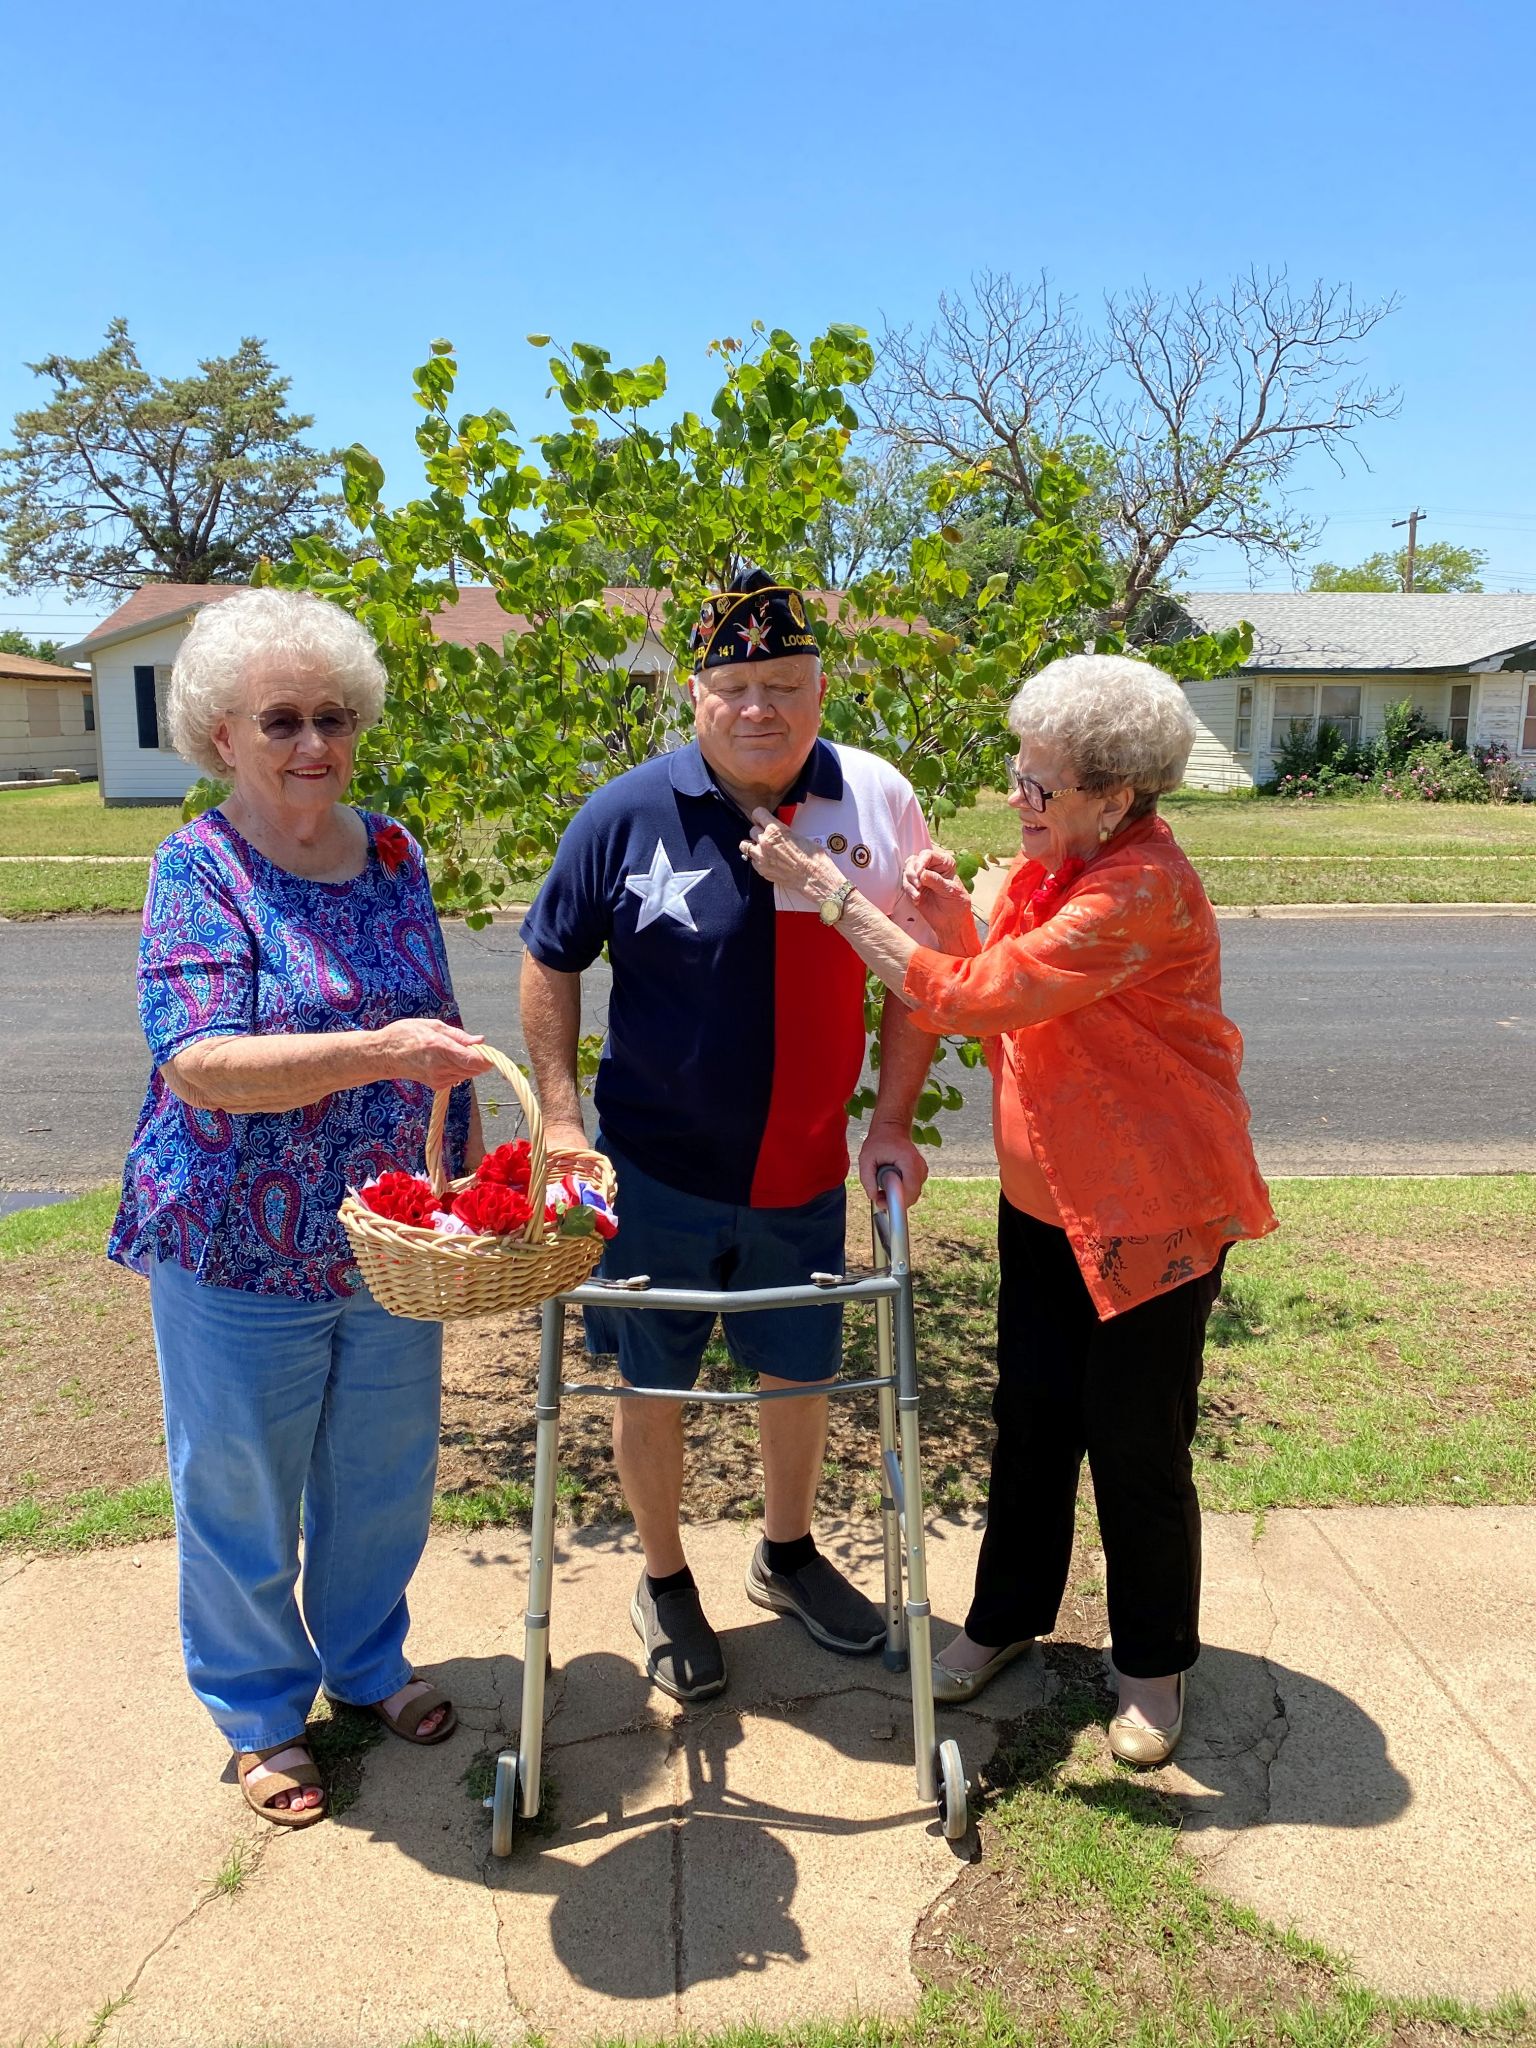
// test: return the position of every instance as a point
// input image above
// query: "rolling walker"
(940, 1772)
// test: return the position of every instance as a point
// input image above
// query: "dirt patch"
(80, 1397)
(79, 1392)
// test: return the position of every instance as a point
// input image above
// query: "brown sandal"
(412, 1714)
(299, 1779)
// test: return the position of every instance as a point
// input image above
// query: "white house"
(47, 719)
(1468, 661)
(132, 652)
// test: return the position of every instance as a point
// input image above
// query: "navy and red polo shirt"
(736, 1021)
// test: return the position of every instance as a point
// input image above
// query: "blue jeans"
(271, 1403)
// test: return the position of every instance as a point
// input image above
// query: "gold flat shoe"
(1135, 1743)
(954, 1686)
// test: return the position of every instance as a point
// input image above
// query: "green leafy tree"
(1440, 566)
(487, 752)
(18, 643)
(123, 478)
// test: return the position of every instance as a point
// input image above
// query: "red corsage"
(1044, 898)
(393, 846)
(403, 1197)
(508, 1166)
(492, 1209)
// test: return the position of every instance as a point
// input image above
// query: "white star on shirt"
(663, 892)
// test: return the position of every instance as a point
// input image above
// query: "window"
(88, 705)
(43, 721)
(1295, 705)
(1340, 705)
(150, 689)
(1242, 738)
(1461, 714)
(1307, 704)
(1528, 736)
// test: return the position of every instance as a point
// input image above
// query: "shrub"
(1404, 728)
(1506, 783)
(1437, 773)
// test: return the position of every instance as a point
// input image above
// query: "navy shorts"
(687, 1241)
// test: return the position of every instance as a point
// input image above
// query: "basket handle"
(538, 1169)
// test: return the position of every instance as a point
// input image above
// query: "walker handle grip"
(892, 1221)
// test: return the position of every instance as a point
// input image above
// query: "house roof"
(26, 668)
(1308, 632)
(476, 620)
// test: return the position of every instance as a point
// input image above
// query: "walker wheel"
(954, 1813)
(503, 1803)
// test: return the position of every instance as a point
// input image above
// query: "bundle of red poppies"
(497, 1203)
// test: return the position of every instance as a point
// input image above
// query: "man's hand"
(890, 1144)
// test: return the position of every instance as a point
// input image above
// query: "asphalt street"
(1379, 1045)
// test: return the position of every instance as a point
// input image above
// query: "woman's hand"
(793, 863)
(931, 881)
(426, 1049)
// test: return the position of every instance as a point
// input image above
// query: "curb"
(1319, 910)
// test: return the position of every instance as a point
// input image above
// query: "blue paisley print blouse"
(234, 945)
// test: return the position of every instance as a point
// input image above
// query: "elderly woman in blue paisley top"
(294, 991)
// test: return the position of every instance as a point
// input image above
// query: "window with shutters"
(151, 689)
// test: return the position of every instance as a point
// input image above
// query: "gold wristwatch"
(830, 911)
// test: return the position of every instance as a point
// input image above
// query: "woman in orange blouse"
(1124, 1156)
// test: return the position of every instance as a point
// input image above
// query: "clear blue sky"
(348, 182)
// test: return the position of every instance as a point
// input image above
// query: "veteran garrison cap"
(757, 619)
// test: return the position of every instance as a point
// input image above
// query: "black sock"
(674, 1582)
(789, 1557)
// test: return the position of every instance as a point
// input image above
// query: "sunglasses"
(281, 724)
(1035, 794)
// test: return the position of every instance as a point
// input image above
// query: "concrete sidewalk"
(1354, 1765)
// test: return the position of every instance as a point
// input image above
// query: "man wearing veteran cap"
(735, 1038)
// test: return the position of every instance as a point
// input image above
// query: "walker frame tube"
(889, 1292)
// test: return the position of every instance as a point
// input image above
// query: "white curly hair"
(237, 633)
(1112, 720)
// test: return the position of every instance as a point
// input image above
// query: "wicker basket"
(436, 1276)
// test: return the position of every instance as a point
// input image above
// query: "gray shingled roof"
(1313, 630)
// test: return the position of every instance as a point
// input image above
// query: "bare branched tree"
(1201, 401)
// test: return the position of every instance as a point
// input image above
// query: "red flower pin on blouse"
(392, 844)
(1045, 896)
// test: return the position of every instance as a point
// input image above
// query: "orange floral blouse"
(1126, 1065)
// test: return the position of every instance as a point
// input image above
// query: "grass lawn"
(1248, 849)
(71, 819)
(1257, 850)
(1380, 1348)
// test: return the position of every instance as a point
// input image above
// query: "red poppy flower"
(393, 846)
(1044, 898)
(507, 1166)
(403, 1197)
(492, 1209)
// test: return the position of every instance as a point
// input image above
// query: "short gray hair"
(1112, 720)
(232, 634)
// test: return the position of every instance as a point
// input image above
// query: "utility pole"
(1412, 524)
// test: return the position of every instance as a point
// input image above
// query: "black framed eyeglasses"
(282, 724)
(1035, 794)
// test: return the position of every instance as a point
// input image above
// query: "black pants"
(1124, 1391)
